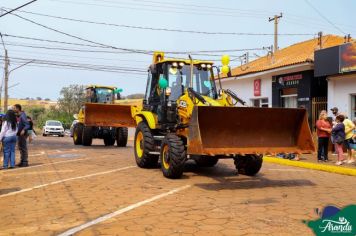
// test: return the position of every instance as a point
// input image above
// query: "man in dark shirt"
(23, 126)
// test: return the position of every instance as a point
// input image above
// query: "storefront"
(254, 90)
(339, 65)
(296, 90)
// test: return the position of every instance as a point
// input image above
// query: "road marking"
(41, 172)
(65, 180)
(121, 211)
(30, 167)
(38, 154)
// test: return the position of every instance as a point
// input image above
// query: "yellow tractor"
(185, 116)
(87, 128)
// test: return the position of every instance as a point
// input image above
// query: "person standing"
(349, 128)
(8, 136)
(23, 126)
(30, 131)
(323, 130)
(338, 137)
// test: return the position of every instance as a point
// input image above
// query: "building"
(338, 64)
(284, 78)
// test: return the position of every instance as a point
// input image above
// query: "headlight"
(175, 64)
(203, 66)
(208, 66)
(181, 64)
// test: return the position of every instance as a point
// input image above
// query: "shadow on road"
(227, 178)
(8, 190)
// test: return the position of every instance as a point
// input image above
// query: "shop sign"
(347, 57)
(257, 87)
(290, 80)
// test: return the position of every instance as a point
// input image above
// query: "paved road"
(70, 186)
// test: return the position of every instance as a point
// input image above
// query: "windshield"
(180, 79)
(53, 123)
(100, 95)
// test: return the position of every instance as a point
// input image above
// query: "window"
(148, 88)
(353, 106)
(289, 97)
(260, 102)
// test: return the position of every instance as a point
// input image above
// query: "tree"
(38, 98)
(47, 99)
(135, 96)
(72, 98)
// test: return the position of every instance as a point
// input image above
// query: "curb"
(312, 166)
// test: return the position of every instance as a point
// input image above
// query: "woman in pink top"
(323, 130)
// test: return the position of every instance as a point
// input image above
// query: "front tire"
(249, 164)
(87, 137)
(121, 136)
(172, 156)
(144, 144)
(77, 134)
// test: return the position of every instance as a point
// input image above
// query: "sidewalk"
(309, 161)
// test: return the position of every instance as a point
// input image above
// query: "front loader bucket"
(108, 115)
(247, 130)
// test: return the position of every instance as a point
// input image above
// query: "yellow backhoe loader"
(94, 120)
(185, 116)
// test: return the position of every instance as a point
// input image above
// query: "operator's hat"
(334, 109)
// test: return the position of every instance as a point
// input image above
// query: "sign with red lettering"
(257, 87)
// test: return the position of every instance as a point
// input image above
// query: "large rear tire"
(87, 137)
(249, 164)
(172, 156)
(121, 136)
(144, 144)
(77, 134)
(205, 161)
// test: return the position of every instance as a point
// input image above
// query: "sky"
(115, 48)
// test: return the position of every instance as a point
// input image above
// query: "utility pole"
(320, 39)
(275, 19)
(6, 81)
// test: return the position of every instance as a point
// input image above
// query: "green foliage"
(70, 101)
(54, 113)
(72, 98)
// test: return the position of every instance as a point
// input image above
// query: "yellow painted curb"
(313, 166)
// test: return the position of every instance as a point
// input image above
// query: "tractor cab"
(102, 94)
(170, 79)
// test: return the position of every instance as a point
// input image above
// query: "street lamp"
(7, 81)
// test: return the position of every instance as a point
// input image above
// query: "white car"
(53, 127)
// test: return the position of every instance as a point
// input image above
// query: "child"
(338, 137)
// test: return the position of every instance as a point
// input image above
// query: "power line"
(198, 52)
(163, 29)
(80, 38)
(17, 8)
(320, 14)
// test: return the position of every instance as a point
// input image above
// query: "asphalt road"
(100, 191)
